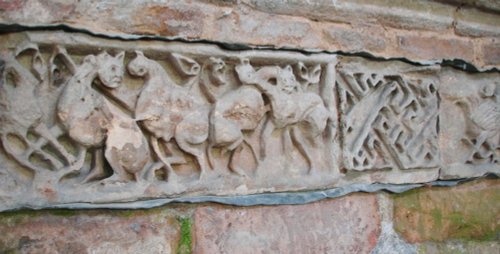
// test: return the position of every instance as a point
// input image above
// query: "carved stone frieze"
(389, 117)
(86, 119)
(470, 132)
(94, 120)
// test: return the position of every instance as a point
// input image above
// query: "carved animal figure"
(18, 115)
(237, 111)
(290, 104)
(168, 111)
(91, 120)
(482, 120)
(233, 112)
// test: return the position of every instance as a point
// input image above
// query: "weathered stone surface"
(472, 22)
(429, 47)
(491, 52)
(388, 119)
(390, 242)
(155, 119)
(468, 211)
(346, 225)
(458, 247)
(470, 124)
(376, 25)
(88, 119)
(362, 38)
(89, 232)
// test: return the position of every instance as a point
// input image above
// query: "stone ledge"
(316, 25)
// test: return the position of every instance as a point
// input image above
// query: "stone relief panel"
(470, 136)
(389, 116)
(94, 120)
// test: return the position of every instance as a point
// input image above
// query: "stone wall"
(402, 98)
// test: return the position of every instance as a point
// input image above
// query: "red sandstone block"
(436, 48)
(491, 53)
(88, 232)
(349, 224)
(469, 211)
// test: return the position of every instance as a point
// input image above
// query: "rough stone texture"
(113, 120)
(458, 247)
(468, 211)
(89, 232)
(491, 52)
(349, 224)
(470, 124)
(389, 241)
(370, 26)
(428, 47)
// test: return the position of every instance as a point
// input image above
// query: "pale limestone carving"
(390, 121)
(482, 114)
(97, 120)
(471, 128)
(169, 111)
(91, 119)
(290, 105)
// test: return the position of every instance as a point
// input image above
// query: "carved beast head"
(110, 69)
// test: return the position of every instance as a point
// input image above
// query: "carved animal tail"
(163, 159)
(210, 158)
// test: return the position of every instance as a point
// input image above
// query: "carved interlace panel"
(94, 120)
(390, 120)
(471, 126)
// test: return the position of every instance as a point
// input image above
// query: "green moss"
(437, 216)
(15, 217)
(409, 199)
(184, 246)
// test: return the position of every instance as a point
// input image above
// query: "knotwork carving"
(85, 119)
(390, 121)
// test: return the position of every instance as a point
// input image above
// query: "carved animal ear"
(288, 68)
(302, 71)
(120, 56)
(245, 61)
(90, 59)
(185, 65)
(315, 73)
(139, 53)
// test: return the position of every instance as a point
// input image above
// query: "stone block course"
(349, 224)
(469, 212)
(62, 231)
(372, 26)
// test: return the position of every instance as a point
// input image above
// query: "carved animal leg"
(75, 167)
(197, 152)
(97, 171)
(264, 134)
(254, 153)
(232, 167)
(44, 132)
(119, 173)
(171, 175)
(299, 142)
(210, 158)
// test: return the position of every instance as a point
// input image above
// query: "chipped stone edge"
(267, 199)
(456, 63)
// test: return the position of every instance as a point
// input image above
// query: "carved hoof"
(94, 175)
(115, 179)
(239, 172)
